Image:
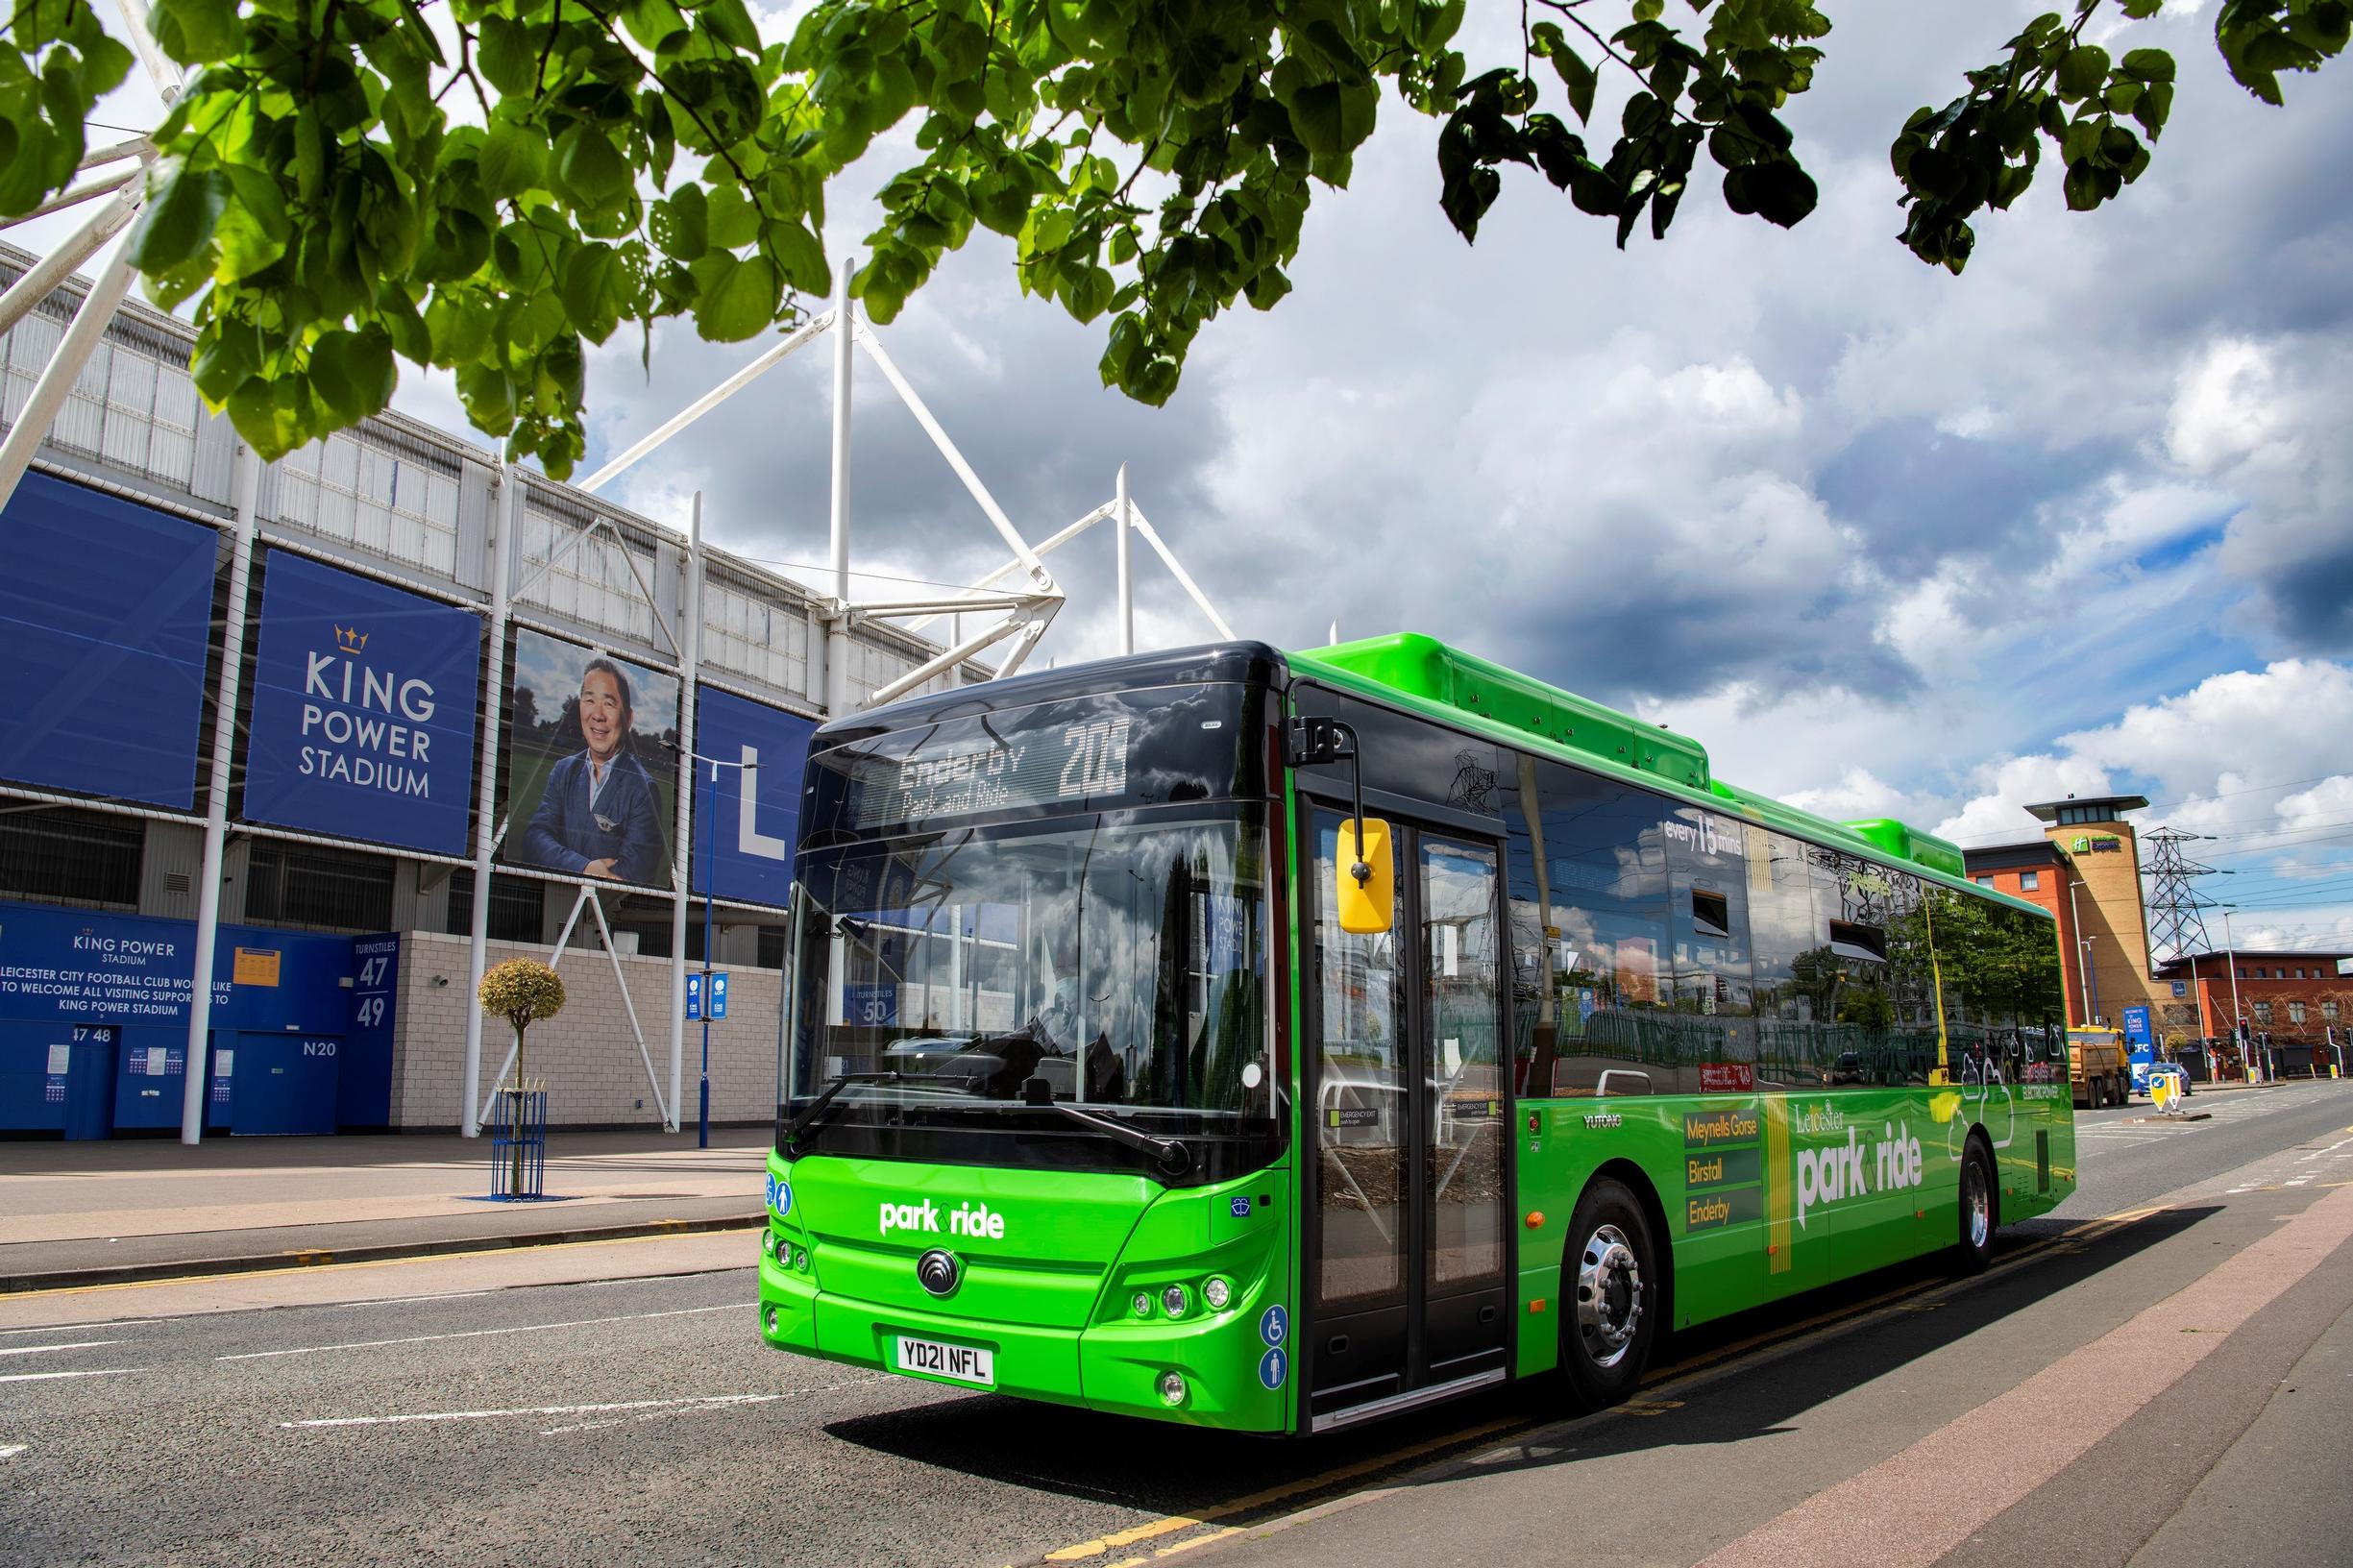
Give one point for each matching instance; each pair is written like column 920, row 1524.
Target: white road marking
column 9, row 1451
column 691, row 1406
column 479, row 1333
column 46, row 1377
column 700, row 1402
column 71, row 1327
column 36, row 1350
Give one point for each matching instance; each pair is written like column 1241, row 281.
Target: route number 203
column 1097, row 763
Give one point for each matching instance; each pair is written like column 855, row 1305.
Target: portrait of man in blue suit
column 599, row 815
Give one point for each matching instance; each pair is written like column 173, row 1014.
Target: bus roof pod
column 1908, row 843
column 1428, row 669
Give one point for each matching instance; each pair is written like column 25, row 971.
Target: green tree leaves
column 2056, row 91
column 622, row 163
column 184, row 205
column 2260, row 39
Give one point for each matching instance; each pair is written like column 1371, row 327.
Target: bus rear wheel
column 1974, row 1247
column 1610, row 1288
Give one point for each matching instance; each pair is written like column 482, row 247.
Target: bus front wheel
column 1610, row 1288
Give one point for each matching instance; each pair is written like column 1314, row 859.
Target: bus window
column 1796, row 972
column 1596, row 900
column 1711, row 994
column 2001, row 1002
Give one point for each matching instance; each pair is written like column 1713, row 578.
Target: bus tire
column 1611, row 1290
column 1979, row 1209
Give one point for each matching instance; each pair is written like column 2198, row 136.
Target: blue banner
column 106, row 619
column 364, row 710
column 755, row 830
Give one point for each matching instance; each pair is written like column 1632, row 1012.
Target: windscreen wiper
column 808, row 1120
column 1174, row 1156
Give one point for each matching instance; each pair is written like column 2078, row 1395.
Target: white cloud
column 1859, row 795
column 1996, row 814
column 2319, row 930
column 2284, row 723
column 2328, row 804
column 2226, row 408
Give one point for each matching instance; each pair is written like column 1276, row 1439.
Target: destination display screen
column 1076, row 762
column 1090, row 753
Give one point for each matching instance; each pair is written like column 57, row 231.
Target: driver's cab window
column 1119, row 968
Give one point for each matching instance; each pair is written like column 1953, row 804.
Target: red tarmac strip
column 1922, row 1503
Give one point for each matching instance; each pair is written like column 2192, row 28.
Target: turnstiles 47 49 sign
column 363, row 709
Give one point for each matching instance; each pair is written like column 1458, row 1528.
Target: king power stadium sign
column 364, row 710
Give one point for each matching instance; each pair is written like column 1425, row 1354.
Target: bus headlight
column 1218, row 1293
column 771, row 1320
column 1142, row 1304
column 1172, row 1300
column 1173, row 1387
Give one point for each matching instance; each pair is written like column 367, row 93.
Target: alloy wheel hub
column 1609, row 1295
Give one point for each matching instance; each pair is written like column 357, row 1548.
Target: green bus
column 1277, row 1042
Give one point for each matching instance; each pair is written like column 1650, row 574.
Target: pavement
column 131, row 1210
column 2052, row 1410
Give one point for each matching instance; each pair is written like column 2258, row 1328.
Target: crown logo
column 351, row 640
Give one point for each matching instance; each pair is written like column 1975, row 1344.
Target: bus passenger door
column 1464, row 1183
column 1407, row 1106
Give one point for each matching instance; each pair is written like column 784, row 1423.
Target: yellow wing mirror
column 1364, row 887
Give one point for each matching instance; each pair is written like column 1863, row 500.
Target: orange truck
column 2096, row 1065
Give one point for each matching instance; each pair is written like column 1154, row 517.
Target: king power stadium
column 394, row 713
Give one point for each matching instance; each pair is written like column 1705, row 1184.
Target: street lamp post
column 710, row 900
column 2083, row 954
column 2238, row 1018
column 2197, row 997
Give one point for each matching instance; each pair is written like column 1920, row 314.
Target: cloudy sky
column 1888, row 541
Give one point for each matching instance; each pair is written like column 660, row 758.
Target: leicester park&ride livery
column 1277, row 1042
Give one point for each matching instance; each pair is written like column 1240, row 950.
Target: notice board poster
column 593, row 743
column 106, row 627
column 754, row 803
column 363, row 722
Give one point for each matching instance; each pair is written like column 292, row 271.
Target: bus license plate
column 964, row 1363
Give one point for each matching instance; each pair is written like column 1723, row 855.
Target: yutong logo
column 966, row 1219
column 342, row 699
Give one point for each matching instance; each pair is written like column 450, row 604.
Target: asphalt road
column 641, row 1421
column 2131, row 1155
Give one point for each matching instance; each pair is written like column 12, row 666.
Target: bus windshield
column 1113, row 961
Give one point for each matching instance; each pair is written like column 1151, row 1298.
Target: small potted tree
column 524, row 991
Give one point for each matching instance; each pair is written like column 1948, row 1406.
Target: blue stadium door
column 89, row 1083
column 285, row 1085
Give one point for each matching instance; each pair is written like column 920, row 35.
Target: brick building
column 2297, row 998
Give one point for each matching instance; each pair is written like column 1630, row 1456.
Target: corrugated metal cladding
column 415, row 503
